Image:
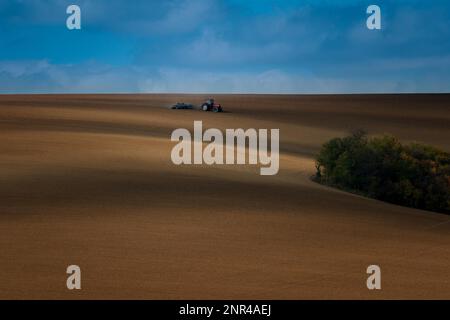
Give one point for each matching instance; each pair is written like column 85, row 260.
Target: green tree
column 414, row 175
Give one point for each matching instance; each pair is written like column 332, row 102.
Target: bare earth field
column 88, row 180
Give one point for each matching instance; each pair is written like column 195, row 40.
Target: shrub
column 414, row 175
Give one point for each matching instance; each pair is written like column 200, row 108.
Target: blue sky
column 224, row 46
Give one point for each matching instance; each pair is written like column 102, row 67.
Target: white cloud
column 43, row 77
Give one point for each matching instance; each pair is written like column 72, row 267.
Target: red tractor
column 210, row 105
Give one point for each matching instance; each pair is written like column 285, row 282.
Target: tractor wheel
column 215, row 109
column 205, row 107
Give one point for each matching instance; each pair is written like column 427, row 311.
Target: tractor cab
column 211, row 105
